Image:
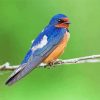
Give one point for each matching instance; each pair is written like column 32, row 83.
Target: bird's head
column 60, row 21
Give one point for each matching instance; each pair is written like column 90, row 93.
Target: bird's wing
column 37, row 53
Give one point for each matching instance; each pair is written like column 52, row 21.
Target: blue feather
column 33, row 59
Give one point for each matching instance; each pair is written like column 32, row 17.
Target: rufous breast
column 58, row 50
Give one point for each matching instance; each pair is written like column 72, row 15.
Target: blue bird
column 46, row 48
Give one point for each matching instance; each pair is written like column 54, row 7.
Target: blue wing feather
column 32, row 59
column 54, row 37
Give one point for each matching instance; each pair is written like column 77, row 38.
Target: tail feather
column 9, row 81
column 23, row 70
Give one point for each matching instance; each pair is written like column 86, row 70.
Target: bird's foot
column 50, row 65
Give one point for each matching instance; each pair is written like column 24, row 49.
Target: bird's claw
column 50, row 65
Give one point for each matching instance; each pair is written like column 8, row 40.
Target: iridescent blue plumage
column 54, row 36
column 35, row 57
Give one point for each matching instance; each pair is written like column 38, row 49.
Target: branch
column 86, row 59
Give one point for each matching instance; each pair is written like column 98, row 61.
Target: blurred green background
column 22, row 20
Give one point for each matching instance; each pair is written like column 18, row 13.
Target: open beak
column 66, row 20
column 63, row 24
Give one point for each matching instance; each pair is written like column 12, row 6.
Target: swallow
column 46, row 48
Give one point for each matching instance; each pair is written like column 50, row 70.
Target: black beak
column 67, row 22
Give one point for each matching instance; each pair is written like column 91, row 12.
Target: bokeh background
column 22, row 20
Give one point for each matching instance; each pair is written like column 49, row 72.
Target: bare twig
column 86, row 59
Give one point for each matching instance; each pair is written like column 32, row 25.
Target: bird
column 46, row 48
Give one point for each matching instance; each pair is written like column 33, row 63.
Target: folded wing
column 34, row 58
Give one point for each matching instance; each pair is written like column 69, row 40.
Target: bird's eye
column 60, row 21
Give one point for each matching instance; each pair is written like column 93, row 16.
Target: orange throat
column 62, row 25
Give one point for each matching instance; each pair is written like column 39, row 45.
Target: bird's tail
column 23, row 70
column 14, row 76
